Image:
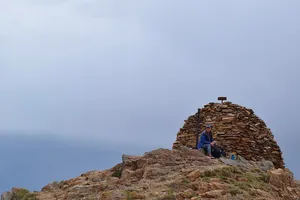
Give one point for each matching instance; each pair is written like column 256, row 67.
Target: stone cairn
column 236, row 129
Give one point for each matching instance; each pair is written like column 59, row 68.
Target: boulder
column 281, row 178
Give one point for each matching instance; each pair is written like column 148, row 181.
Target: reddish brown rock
column 173, row 174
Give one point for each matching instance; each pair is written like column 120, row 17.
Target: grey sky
column 131, row 72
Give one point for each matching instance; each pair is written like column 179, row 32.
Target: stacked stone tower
column 236, row 128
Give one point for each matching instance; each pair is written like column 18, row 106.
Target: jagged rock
column 281, row 178
column 213, row 194
column 179, row 174
column 194, row 174
column 7, row 196
column 18, row 194
column 236, row 128
column 263, row 194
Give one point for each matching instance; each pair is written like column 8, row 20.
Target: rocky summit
column 181, row 174
column 184, row 173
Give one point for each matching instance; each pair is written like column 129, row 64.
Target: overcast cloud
column 130, row 72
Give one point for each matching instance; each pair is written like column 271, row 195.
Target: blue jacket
column 205, row 139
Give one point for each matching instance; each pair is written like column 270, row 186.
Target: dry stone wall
column 236, row 128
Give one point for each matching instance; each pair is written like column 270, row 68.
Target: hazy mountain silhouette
column 32, row 162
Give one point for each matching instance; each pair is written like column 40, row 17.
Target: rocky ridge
column 236, row 128
column 185, row 173
column 177, row 174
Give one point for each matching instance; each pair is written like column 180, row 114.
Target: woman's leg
column 207, row 147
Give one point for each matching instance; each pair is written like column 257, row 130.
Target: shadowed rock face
column 236, row 128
